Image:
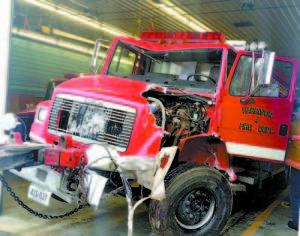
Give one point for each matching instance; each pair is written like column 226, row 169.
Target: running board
column 253, row 177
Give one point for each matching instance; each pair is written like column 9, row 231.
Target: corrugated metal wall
column 33, row 64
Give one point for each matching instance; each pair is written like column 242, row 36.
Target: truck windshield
column 194, row 70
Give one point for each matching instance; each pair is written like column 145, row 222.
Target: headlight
column 42, row 114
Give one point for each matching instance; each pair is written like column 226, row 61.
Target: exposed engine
column 181, row 115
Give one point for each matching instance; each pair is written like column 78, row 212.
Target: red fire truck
column 186, row 116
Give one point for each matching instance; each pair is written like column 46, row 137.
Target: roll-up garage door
column 33, row 64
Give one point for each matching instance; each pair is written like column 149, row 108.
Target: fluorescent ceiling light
column 180, row 15
column 60, row 43
column 79, row 18
column 50, row 40
column 75, row 37
column 42, row 5
column 72, row 36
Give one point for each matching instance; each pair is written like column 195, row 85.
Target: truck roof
column 176, row 45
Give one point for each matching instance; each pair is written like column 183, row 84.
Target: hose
column 163, row 110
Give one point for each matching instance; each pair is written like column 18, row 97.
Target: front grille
column 92, row 121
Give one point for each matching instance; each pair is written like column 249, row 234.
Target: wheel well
column 204, row 149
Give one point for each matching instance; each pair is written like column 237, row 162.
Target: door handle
column 247, row 100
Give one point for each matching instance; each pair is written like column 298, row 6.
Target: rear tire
column 198, row 202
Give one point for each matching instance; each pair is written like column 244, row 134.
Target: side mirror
column 262, row 75
column 266, row 68
column 95, row 55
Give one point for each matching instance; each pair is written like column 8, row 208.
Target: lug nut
column 187, row 203
column 198, row 193
column 191, row 216
column 187, row 211
column 192, row 196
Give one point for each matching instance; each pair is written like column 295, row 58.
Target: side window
column 279, row 84
column 240, row 80
column 122, row 62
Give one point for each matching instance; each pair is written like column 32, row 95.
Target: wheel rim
column 195, row 209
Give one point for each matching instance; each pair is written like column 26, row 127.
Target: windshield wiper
column 141, row 51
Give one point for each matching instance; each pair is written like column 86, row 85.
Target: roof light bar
column 79, row 18
column 156, row 36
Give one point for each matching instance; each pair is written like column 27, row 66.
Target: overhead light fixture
column 179, row 14
column 72, row 36
column 248, row 4
column 47, row 30
column 50, row 40
column 79, row 18
column 75, row 37
column 60, row 43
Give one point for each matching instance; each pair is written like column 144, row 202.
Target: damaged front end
column 103, row 143
column 59, row 172
column 76, row 175
column 95, row 148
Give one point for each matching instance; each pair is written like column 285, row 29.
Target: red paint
column 60, row 157
column 231, row 115
column 64, row 155
column 164, row 161
column 154, row 36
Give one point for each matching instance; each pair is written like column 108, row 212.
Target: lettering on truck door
column 256, row 114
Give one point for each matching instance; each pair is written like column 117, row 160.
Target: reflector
column 164, row 161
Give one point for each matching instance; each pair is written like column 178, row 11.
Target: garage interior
column 63, row 33
column 53, row 38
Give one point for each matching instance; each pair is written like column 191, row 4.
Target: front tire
column 198, row 202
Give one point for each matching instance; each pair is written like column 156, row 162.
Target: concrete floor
column 249, row 216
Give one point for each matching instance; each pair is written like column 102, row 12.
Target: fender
column 208, row 150
column 149, row 172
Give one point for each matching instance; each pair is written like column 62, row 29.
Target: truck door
column 255, row 113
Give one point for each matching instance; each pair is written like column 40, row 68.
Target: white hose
column 131, row 213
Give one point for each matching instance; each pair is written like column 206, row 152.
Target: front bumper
column 147, row 172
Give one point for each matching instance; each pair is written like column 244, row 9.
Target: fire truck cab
column 180, row 111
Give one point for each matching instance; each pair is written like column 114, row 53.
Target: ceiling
column 273, row 21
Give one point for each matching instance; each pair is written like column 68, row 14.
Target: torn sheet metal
column 148, row 172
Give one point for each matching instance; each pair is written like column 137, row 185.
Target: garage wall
column 33, row 64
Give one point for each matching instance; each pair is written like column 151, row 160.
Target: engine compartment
column 181, row 115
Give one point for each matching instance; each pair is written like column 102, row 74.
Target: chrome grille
column 92, row 121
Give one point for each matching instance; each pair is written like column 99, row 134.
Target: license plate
column 39, row 195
